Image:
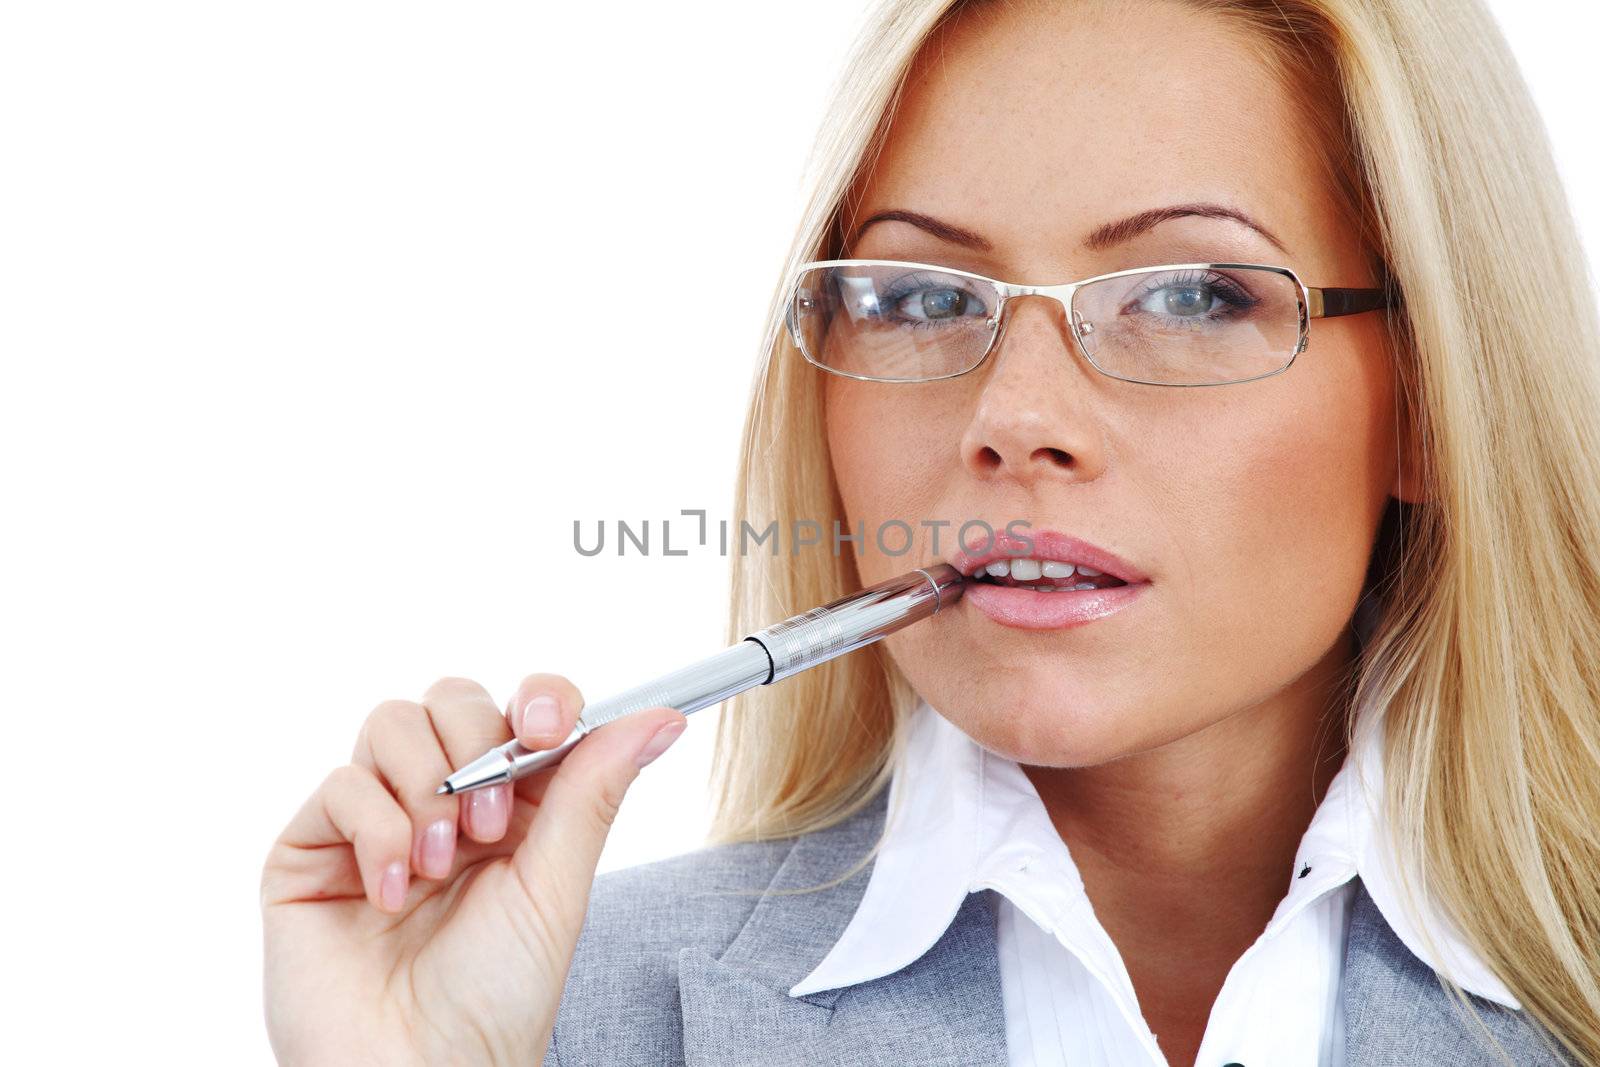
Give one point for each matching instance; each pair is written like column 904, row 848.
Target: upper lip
column 1045, row 544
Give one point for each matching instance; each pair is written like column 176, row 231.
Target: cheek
column 1272, row 509
column 886, row 453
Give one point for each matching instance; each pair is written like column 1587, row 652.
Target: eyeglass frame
column 1315, row 302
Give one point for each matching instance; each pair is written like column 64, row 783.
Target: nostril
column 1056, row 455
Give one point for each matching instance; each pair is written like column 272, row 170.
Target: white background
column 320, row 323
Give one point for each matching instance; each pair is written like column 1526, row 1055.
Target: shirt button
column 1023, row 866
column 1233, row 1064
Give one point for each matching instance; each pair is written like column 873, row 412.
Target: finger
column 542, row 713
column 543, row 710
column 466, row 718
column 353, row 807
column 468, row 724
column 564, row 840
column 399, row 745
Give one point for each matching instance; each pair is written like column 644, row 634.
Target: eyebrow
column 1103, row 237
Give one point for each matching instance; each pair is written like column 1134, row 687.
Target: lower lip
column 1028, row 609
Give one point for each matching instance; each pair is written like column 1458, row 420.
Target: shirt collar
column 961, row 819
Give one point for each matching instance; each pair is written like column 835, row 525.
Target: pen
column 766, row 656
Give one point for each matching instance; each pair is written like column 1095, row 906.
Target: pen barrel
column 699, row 685
column 766, row 656
column 846, row 624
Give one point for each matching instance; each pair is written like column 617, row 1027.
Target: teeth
column 1027, row 570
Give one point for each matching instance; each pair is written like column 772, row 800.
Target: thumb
column 563, row 844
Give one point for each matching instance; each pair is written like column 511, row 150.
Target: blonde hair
column 1485, row 655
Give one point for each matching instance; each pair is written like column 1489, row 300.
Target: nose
column 1034, row 418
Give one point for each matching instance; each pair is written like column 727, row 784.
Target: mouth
column 1048, row 580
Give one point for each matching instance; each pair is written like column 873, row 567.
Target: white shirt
column 962, row 819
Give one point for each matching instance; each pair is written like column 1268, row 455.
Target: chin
column 1044, row 722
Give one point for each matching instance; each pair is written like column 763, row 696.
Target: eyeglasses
column 1183, row 324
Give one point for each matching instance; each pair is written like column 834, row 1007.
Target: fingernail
column 660, row 741
column 392, row 890
column 541, row 715
column 489, row 811
column 438, row 848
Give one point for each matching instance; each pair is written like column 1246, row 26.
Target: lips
column 1045, row 544
column 1037, row 606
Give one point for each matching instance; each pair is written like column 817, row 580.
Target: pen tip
column 443, row 790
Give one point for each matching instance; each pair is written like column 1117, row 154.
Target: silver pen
column 766, row 656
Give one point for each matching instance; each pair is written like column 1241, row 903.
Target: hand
column 405, row 927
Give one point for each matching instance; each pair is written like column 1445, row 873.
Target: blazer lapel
column 1396, row 1011
column 943, row 1009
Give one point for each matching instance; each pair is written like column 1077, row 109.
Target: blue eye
column 1192, row 296
column 940, row 301
column 1183, row 300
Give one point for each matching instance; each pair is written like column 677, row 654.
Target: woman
column 1314, row 783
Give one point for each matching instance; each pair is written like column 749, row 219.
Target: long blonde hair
column 1485, row 656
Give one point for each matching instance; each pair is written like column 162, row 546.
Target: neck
column 1186, row 850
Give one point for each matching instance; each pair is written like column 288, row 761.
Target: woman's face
column 1251, row 509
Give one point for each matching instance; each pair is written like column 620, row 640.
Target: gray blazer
column 669, row 970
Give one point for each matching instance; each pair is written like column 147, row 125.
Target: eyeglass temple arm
column 1329, row 303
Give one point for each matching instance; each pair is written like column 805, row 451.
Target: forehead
column 1032, row 121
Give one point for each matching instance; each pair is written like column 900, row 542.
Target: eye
column 928, row 301
column 1181, row 300
column 1191, row 295
column 936, row 304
